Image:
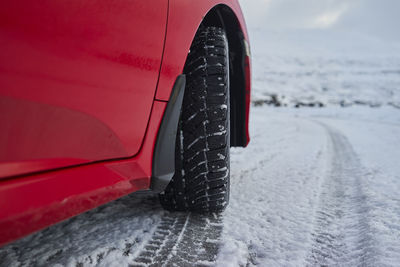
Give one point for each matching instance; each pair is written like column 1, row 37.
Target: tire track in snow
column 183, row 240
column 131, row 231
column 275, row 189
column 342, row 234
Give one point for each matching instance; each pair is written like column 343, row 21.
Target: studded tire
column 201, row 180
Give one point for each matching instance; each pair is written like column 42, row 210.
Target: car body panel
column 33, row 202
column 77, row 80
column 36, row 200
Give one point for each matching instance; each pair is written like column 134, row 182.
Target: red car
column 102, row 98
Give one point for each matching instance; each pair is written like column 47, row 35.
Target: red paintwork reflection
column 34, row 133
column 34, row 202
column 77, row 79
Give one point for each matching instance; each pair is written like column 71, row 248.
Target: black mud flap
column 164, row 151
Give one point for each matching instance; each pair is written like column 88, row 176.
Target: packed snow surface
column 316, row 186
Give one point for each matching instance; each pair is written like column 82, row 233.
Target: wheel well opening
column 223, row 16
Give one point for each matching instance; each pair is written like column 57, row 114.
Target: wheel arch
column 223, row 16
column 184, row 20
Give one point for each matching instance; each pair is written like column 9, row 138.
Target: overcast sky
column 380, row 18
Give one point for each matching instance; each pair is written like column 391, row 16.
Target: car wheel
column 201, row 179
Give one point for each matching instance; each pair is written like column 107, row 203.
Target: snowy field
column 321, row 67
column 316, row 186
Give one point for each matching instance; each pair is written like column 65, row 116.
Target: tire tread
column 201, row 180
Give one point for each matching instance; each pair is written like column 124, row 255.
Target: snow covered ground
column 316, row 186
column 328, row 67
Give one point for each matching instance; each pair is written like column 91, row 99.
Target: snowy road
column 315, row 187
column 318, row 187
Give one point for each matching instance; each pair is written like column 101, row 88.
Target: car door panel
column 77, row 80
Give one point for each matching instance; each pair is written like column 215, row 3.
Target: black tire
column 201, row 180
